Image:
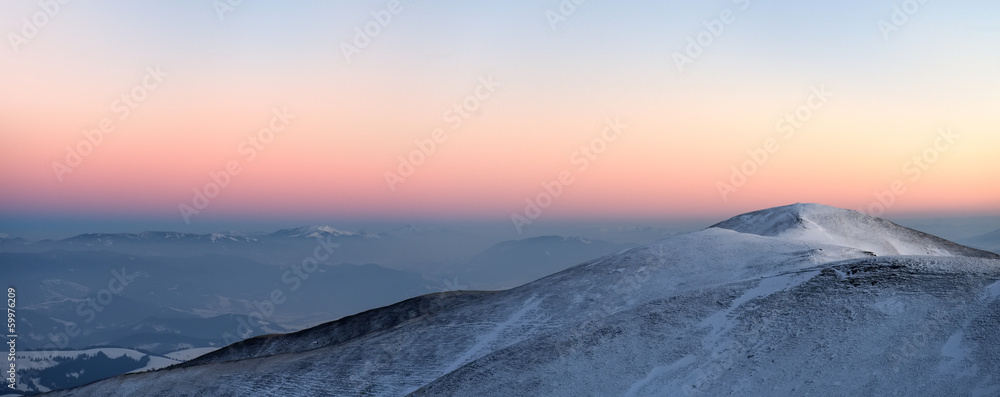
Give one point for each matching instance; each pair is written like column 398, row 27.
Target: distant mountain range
column 109, row 239
column 72, row 300
column 989, row 241
column 318, row 232
column 512, row 263
column 397, row 248
column 123, row 292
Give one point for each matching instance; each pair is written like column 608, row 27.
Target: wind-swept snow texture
column 818, row 223
column 796, row 300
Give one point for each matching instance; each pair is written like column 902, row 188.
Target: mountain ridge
column 810, row 223
column 600, row 326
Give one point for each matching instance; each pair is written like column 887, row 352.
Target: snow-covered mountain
column 109, row 239
column 802, row 299
column 318, row 232
column 168, row 244
column 822, row 224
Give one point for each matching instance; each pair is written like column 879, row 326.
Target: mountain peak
column 406, row 230
column 817, row 223
column 778, row 221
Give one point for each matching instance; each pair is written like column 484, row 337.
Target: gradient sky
column 353, row 120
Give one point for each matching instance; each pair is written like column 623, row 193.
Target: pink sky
column 353, row 120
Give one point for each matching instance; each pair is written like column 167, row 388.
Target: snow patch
column 993, row 290
column 957, row 355
column 658, row 372
column 891, row 307
column 720, row 322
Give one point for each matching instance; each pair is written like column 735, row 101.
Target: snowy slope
column 787, row 300
column 312, row 232
column 880, row 326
